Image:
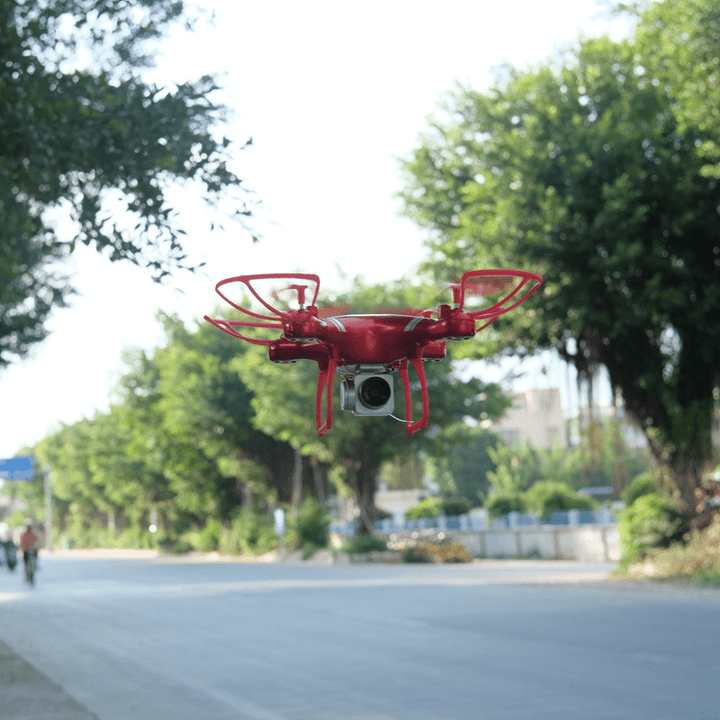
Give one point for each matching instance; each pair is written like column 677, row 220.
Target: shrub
column 454, row 552
column 641, row 485
column 650, row 522
column 207, row 539
column 314, row 523
column 548, row 495
column 698, row 560
column 364, row 543
column 430, row 507
column 503, row 502
column 249, row 533
column 452, row 507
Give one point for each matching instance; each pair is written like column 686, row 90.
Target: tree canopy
column 206, row 432
column 87, row 144
column 682, row 40
column 581, row 170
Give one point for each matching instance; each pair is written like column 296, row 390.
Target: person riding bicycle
column 28, row 543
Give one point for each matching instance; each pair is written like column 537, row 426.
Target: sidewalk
column 26, row 694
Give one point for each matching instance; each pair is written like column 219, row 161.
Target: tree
column 192, row 413
column 464, row 473
column 581, row 171
column 178, row 442
column 85, row 142
column 681, row 40
column 516, row 468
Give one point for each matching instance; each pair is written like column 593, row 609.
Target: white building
column 536, row 417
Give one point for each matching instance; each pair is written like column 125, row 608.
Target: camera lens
column 375, row 392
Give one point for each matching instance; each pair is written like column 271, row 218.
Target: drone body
column 367, row 349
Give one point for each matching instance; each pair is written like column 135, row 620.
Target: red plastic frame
column 391, row 340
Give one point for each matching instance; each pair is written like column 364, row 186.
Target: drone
column 367, row 349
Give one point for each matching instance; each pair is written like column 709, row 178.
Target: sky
column 332, row 94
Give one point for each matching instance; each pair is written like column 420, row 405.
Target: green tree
column 680, row 41
column 178, row 443
column 192, row 415
column 463, row 473
column 581, row 171
column 516, row 468
column 85, row 139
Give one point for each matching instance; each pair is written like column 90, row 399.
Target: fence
column 589, row 536
column 478, row 521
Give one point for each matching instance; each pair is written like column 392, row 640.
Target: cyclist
column 28, row 543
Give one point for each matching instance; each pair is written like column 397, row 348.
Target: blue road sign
column 17, row 468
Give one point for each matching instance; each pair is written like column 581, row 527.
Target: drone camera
column 368, row 395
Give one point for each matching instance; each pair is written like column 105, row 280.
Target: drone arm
column 413, row 427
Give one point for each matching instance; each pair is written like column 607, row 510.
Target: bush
column 549, row 495
column 641, row 485
column 437, row 553
column 430, row 507
column 698, row 560
column 503, row 502
column 650, row 522
column 313, row 525
column 207, row 539
column 249, row 533
column 364, row 544
column 453, row 507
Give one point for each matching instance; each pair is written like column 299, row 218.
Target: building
column 536, row 417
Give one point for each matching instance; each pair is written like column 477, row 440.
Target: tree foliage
column 205, row 433
column 581, row 170
column 87, row 144
column 682, row 41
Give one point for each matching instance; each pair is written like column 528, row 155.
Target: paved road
column 154, row 639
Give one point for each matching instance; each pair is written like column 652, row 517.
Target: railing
column 572, row 518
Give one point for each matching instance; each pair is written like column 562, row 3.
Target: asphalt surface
column 115, row 639
column 27, row 694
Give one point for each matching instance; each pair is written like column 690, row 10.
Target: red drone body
column 367, row 349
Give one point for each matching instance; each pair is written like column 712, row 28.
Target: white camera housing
column 368, row 394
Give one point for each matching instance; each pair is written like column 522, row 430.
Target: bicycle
column 30, row 567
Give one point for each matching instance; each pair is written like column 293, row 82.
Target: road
column 150, row 639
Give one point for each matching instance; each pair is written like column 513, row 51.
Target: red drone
column 367, row 349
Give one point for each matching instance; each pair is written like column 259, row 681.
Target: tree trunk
column 318, row 474
column 297, row 485
column 686, row 479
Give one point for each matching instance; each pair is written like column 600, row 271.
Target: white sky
column 331, row 93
